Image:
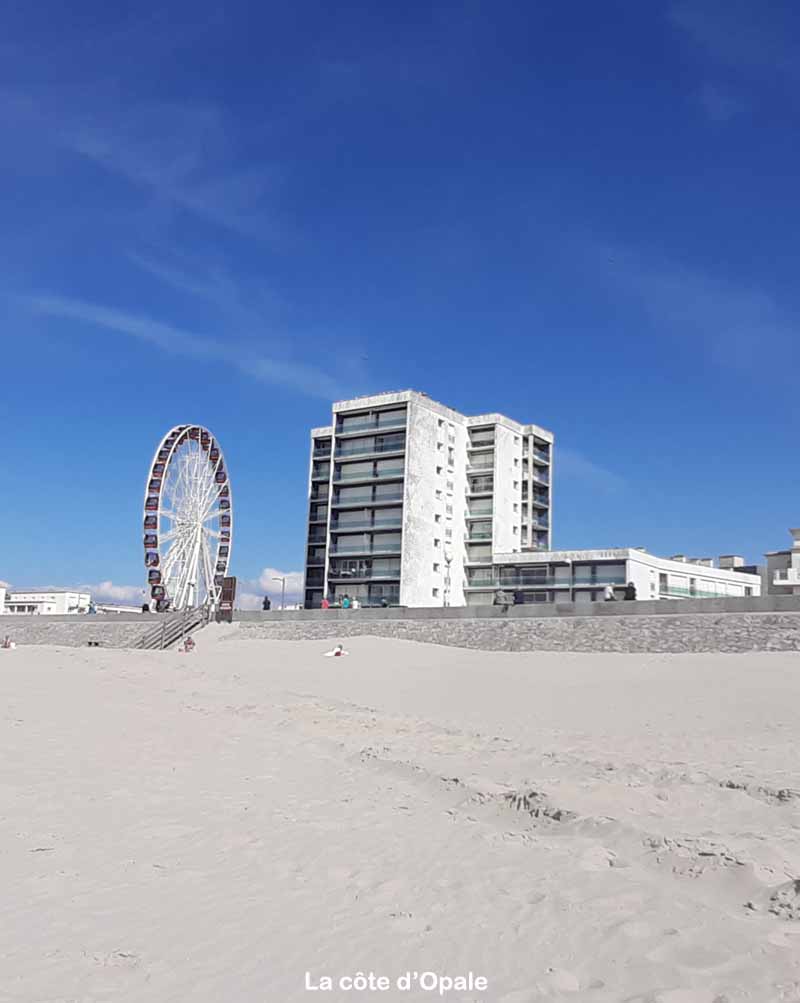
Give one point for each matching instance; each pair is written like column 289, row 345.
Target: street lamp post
column 283, row 588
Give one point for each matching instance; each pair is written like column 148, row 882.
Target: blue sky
column 583, row 215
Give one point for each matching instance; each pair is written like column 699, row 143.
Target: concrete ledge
column 655, row 607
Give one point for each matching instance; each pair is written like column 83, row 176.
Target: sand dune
column 569, row 827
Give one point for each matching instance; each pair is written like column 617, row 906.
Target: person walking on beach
column 630, row 591
column 608, row 595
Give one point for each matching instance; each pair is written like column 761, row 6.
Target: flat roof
column 403, row 396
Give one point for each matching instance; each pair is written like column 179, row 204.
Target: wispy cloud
column 574, row 466
column 183, row 156
column 745, row 34
column 252, row 590
column 298, row 376
column 107, row 591
column 719, row 104
column 739, row 328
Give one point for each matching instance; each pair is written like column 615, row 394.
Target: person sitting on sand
column 336, row 652
column 188, row 644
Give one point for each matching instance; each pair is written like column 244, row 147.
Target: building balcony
column 481, row 536
column 362, row 427
column 321, row 453
column 366, row 527
column 372, row 451
column 392, row 474
column 540, row 477
column 363, row 575
column 366, row 549
column 476, row 512
column 367, row 501
column 541, row 457
column 480, row 492
column 541, row 501
column 787, row 576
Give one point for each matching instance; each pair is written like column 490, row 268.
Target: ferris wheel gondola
column 187, row 520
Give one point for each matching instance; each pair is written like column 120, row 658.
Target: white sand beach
column 211, row 827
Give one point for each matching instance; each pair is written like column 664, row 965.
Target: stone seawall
column 76, row 631
column 723, row 632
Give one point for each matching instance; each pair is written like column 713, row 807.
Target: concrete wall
column 728, row 625
column 120, row 630
column 506, row 522
column 420, row 507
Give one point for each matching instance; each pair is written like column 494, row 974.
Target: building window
column 516, row 507
column 441, row 423
column 435, row 593
column 437, row 517
column 440, row 445
column 448, row 509
column 748, row 591
column 516, row 485
column 663, row 588
column 437, row 542
column 516, row 462
column 448, row 534
column 449, row 485
column 515, row 530
column 436, row 567
column 439, row 493
column 692, row 586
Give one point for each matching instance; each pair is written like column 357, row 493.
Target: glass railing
column 364, row 574
column 678, row 592
column 480, row 442
column 540, row 499
column 366, row 549
column 376, row 447
column 599, row 579
column 367, row 499
column 539, row 455
column 540, row 478
column 371, row 426
column 369, row 475
column 479, row 536
column 476, row 511
column 359, row 527
column 480, row 487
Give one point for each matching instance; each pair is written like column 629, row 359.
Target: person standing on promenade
column 608, row 595
column 630, row 591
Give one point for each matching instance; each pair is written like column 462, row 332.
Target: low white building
column 583, row 575
column 783, row 568
column 46, row 601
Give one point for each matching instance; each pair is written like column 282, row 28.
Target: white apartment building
column 409, row 499
column 46, row 601
column 583, row 575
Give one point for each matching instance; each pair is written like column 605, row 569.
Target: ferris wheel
column 188, row 520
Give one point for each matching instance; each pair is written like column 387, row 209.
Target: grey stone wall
column 697, row 632
column 75, row 631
